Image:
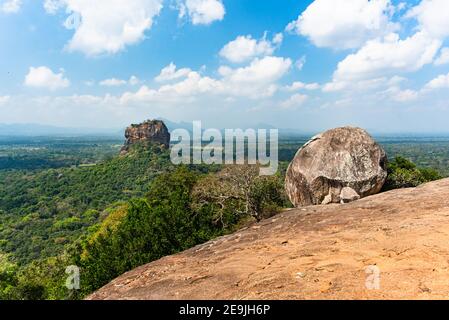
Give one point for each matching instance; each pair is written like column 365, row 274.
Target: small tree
column 237, row 191
column 402, row 173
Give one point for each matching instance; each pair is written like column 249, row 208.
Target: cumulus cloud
column 44, row 77
column 433, row 17
column 389, row 54
column 183, row 91
column 10, row 6
column 171, row 72
column 443, row 58
column 114, row 82
column 134, row 81
column 263, row 70
column 385, row 56
column 299, row 64
column 245, row 48
column 358, row 85
column 298, row 85
column 106, row 26
column 403, row 95
column 52, row 6
column 257, row 80
column 202, row 11
column 69, row 111
column 439, row 82
column 278, row 38
column 294, row 101
column 344, row 24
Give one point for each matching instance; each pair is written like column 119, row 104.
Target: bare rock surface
column 148, row 132
column 316, row 252
column 339, row 165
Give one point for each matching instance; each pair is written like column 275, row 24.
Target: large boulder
column 338, row 166
column 149, row 132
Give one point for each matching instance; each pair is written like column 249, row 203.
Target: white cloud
column 403, row 95
column 265, row 70
column 299, row 64
column 358, row 85
column 202, row 11
column 69, row 111
column 433, row 17
column 106, row 26
column 245, row 48
column 298, row 85
column 335, row 86
column 278, row 38
column 389, row 54
column 113, row 82
column 443, row 57
column 440, row 82
column 43, row 77
column 385, row 56
column 4, row 100
column 344, row 24
column 183, row 91
column 401, row 6
column 379, row 89
column 170, row 73
column 294, row 101
column 52, row 6
column 396, row 80
column 10, row 6
column 255, row 81
column 134, row 81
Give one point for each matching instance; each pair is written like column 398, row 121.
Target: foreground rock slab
column 317, row 252
column 338, row 166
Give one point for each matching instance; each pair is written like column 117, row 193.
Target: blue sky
column 309, row 65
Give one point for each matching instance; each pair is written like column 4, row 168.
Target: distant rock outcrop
column 148, row 132
column 338, row 166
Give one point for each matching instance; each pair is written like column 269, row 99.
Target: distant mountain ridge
column 31, row 129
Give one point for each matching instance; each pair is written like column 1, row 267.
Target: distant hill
column 33, row 129
column 284, row 133
column 46, row 130
column 172, row 125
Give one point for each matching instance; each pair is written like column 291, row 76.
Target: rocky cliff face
column 148, row 132
column 316, row 252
